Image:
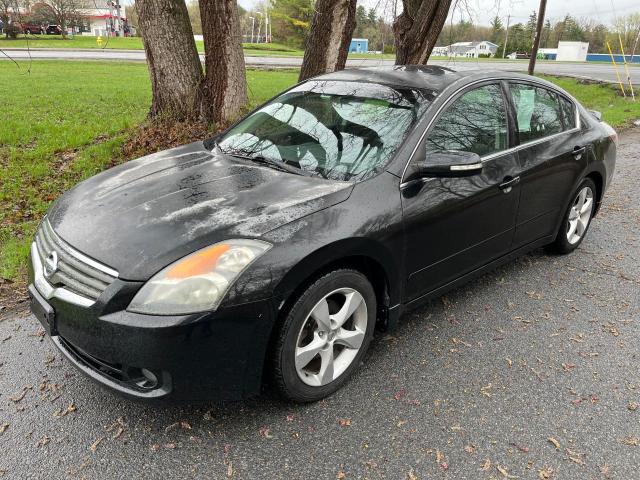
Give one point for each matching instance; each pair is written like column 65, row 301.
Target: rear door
column 552, row 153
column 455, row 225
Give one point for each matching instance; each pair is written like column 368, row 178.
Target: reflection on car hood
column 140, row 216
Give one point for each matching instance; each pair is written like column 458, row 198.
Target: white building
column 467, row 49
column 572, row 51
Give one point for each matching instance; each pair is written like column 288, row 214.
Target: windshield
column 337, row 130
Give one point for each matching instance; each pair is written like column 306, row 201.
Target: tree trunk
column 172, row 58
column 328, row 43
column 417, row 28
column 225, row 84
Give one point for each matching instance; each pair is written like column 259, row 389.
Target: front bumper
column 210, row 356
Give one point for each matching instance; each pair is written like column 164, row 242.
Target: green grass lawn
column 66, row 121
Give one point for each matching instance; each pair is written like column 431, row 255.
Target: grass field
column 66, row 121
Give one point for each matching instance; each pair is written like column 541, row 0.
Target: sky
column 482, row 11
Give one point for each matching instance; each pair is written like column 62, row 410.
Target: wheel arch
column 598, row 179
column 367, row 256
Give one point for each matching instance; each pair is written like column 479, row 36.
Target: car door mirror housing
column 447, row 163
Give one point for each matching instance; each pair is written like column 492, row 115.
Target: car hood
column 141, row 216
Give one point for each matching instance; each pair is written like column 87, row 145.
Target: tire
column 577, row 219
column 307, row 344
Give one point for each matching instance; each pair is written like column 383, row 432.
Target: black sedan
column 268, row 254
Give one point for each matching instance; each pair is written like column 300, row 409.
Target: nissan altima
column 267, row 255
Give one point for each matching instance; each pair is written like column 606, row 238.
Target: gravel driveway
column 529, row 372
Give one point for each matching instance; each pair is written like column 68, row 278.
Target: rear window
column 538, row 112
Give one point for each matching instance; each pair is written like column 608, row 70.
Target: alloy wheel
column 331, row 337
column 580, row 215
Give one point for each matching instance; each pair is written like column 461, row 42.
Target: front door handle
column 578, row 151
column 509, row 183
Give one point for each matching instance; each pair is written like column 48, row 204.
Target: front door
column 455, row 225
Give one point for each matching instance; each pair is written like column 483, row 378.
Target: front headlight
column 197, row 282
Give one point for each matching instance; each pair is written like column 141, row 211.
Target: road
column 529, row 372
column 593, row 71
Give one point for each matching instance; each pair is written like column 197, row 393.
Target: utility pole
column 536, row 41
column 506, row 37
column 259, row 26
column 253, row 21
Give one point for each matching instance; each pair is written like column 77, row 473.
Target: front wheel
column 325, row 336
column 577, row 219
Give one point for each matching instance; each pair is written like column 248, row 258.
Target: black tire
column 286, row 380
column 561, row 245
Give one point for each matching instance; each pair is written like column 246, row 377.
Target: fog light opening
column 143, row 378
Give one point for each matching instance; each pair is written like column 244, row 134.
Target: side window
column 568, row 112
column 476, row 122
column 537, row 112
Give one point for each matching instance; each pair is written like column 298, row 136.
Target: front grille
column 75, row 272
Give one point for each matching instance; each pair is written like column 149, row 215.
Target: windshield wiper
column 278, row 164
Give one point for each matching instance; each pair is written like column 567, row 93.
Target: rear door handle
column 578, row 151
column 509, row 183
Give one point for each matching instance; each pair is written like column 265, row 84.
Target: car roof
column 429, row 77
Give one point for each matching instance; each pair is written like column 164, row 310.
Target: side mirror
column 449, row 163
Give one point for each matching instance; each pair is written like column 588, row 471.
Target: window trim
column 455, row 96
column 513, row 149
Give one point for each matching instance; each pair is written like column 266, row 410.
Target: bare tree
column 225, row 84
column 417, row 28
column 172, row 58
column 328, row 43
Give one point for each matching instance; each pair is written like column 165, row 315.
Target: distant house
column 359, row 45
column 103, row 22
column 467, row 49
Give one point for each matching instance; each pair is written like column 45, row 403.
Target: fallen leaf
column 43, row 441
column 555, row 442
column 632, row 441
column 504, row 472
column 3, row 427
column 63, row 413
column 345, row 422
column 486, row 465
column 545, row 473
column 19, row 396
column 94, row 445
column 264, row 431
column 523, row 449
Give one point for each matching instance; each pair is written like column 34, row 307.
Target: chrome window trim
column 80, row 256
column 48, row 291
column 489, row 157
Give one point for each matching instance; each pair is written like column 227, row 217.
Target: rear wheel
column 325, row 336
column 577, row 219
